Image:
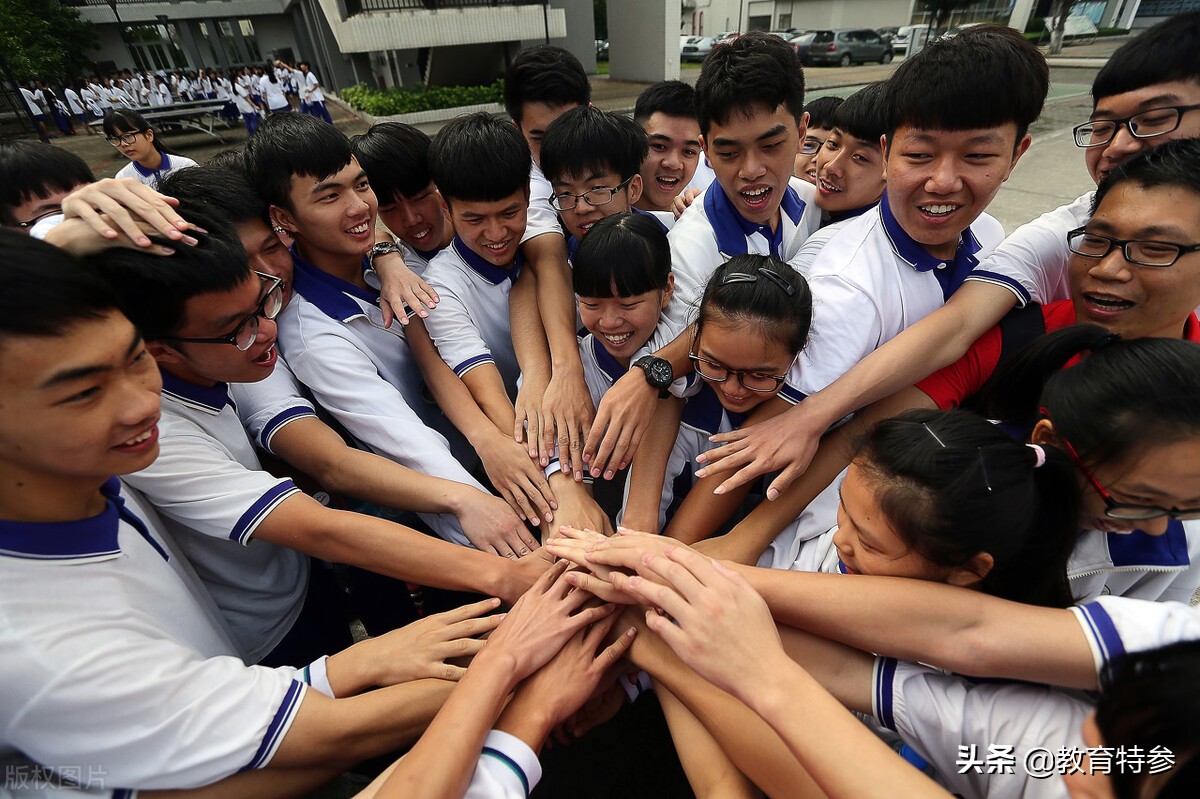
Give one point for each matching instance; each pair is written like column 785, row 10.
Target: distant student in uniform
column 1153, row 75
column 667, row 112
column 481, row 167
column 150, row 160
column 333, row 333
column 750, row 104
column 591, row 158
column 820, row 124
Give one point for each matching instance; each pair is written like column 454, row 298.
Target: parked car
column 601, row 49
column 846, row 46
column 903, row 36
column 801, row 44
column 888, row 33
column 695, row 48
column 726, row 36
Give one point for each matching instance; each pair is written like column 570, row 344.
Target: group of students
column 324, row 378
column 250, row 92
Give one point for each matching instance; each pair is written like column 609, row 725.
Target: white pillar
column 643, row 37
column 1021, row 12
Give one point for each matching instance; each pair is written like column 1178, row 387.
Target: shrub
column 385, row 102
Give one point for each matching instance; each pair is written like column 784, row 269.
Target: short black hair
column 223, row 191
column 230, row 158
column 755, row 69
column 34, row 169
column 1176, row 163
column 545, row 74
column 630, row 256
column 293, row 144
column 479, row 158
column 1161, row 54
column 154, row 290
column 46, row 289
column 671, row 97
column 396, row 159
column 587, row 141
column 985, row 77
column 862, row 115
column 821, row 111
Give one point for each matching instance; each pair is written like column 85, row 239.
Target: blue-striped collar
column 1138, row 548
column 75, row 542
column 206, row 398
column 841, row 216
column 335, row 297
column 657, row 221
column 704, row 411
column 485, row 269
column 165, row 166
column 607, row 363
column 951, row 273
column 732, row 229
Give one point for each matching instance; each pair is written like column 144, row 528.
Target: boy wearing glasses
column 1145, row 96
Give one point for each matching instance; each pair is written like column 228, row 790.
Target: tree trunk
column 1060, row 25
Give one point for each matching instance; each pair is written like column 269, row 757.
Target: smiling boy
column 667, row 112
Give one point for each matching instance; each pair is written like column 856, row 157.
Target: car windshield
column 820, row 37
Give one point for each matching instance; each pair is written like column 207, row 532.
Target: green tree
column 600, row 12
column 42, row 39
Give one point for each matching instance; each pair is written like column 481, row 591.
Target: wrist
column 352, row 671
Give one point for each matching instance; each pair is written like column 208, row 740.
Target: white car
column 695, row 48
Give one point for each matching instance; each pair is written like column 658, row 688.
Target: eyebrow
column 80, row 372
column 724, row 141
column 1152, row 101
column 1100, row 225
column 666, row 138
column 326, row 185
column 719, row 362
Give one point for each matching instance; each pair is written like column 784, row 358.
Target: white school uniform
column 312, row 87
column 1158, row 568
column 34, row 100
column 711, row 231
column 870, row 282
column 507, row 769
column 1032, row 262
column 115, row 657
column 241, row 99
column 471, row 325
column 273, row 93
column 936, row 713
column 161, row 95
column 91, row 100
column 541, row 217
column 817, row 241
column 266, row 407
column 153, row 177
column 364, row 374
column 1115, row 626
column 73, row 101
column 703, row 177
column 210, row 488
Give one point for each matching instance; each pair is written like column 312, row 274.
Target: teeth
column 143, row 437
column 668, row 181
column 938, row 210
column 756, row 192
column 825, row 184
column 421, row 235
column 266, row 354
column 496, row 247
column 1109, row 302
column 617, row 339
column 359, row 228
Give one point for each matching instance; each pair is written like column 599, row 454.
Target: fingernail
column 578, row 477
column 165, row 251
column 719, row 490
column 702, row 457
column 191, row 242
column 623, row 465
column 595, row 472
column 609, row 474
column 554, row 505
column 772, row 494
column 549, row 518
column 701, row 473
column 143, row 241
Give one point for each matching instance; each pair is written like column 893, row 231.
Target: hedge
column 385, row 102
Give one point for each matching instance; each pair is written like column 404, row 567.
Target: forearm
column 547, row 256
column 452, row 395
column 528, row 332
column 443, row 760
column 488, row 392
column 647, row 472
column 934, row 342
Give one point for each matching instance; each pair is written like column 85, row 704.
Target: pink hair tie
column 1041, row 455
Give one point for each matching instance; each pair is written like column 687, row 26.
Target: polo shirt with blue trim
column 1158, row 568
column 871, row 281
column 115, row 657
column 366, row 377
column 471, row 325
column 711, row 231
column 269, row 405
column 153, row 177
column 212, row 492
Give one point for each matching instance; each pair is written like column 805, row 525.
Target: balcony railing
column 358, row 6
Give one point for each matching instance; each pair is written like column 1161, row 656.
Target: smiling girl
column 150, row 161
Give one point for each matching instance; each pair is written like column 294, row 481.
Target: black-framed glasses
column 28, row 223
column 1143, row 252
column 244, row 335
column 593, row 197
column 811, row 145
column 124, row 138
column 1125, row 511
column 1145, row 125
column 715, row 372
column 753, row 277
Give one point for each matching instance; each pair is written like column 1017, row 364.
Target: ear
column 670, row 290
column 162, row 353
column 635, row 189
column 1022, row 146
column 973, row 571
column 883, row 150
column 802, row 129
column 281, row 217
column 1044, row 434
column 704, row 144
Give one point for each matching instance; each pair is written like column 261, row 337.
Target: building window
column 785, row 21
column 251, row 40
column 154, row 47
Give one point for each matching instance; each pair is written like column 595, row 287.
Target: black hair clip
column 747, row 277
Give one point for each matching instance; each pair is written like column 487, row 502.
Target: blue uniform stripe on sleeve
column 1001, row 280
column 471, row 363
column 1103, row 632
column 791, row 394
column 278, row 726
column 885, row 674
column 512, row 764
column 123, row 793
column 260, row 509
column 279, row 420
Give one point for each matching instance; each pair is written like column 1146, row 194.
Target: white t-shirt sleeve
column 1116, row 625
column 267, row 406
column 953, row 722
column 847, row 325
column 507, row 769
column 694, row 259
column 200, row 486
column 453, row 330
column 1032, row 262
column 153, row 715
column 541, row 218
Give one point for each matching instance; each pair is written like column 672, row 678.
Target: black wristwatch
column 383, row 248
column 658, row 373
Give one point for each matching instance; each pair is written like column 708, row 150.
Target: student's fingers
column 746, row 474
column 456, row 648
column 469, row 613
column 600, row 588
column 536, row 491
column 547, row 578
column 578, row 436
column 611, row 654
column 385, row 309
column 517, row 500
column 520, row 419
column 679, row 576
column 449, row 672
column 781, row 483
column 651, row 593
column 529, row 541
column 595, row 436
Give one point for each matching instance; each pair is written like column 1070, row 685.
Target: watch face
column 660, row 371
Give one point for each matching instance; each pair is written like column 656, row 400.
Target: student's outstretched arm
column 789, row 441
column 720, row 627
column 647, row 473
column 533, row 356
